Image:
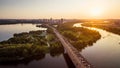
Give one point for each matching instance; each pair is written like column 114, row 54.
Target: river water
column 105, row 53
column 48, row 60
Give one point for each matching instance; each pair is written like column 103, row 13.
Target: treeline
column 79, row 37
column 114, row 28
column 33, row 37
column 25, row 46
column 16, row 21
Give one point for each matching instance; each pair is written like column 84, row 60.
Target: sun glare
column 96, row 12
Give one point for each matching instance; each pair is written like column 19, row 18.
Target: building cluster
column 52, row 20
column 15, row 21
column 58, row 20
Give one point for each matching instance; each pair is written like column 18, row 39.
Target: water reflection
column 82, row 46
column 7, row 31
column 68, row 61
column 51, row 57
column 25, row 61
column 52, row 51
column 105, row 53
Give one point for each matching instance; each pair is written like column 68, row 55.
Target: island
column 27, row 46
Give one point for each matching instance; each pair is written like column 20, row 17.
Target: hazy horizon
column 69, row 9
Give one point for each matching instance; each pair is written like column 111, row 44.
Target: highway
column 78, row 60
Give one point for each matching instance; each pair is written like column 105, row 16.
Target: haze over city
column 71, row 9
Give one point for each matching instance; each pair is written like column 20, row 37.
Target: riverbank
column 78, row 60
column 30, row 45
column 79, row 37
column 111, row 27
column 104, row 51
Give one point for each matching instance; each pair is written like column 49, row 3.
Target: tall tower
column 62, row 20
column 51, row 20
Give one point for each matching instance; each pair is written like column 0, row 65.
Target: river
column 105, row 53
column 48, row 60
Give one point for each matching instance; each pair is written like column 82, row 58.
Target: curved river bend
column 105, row 53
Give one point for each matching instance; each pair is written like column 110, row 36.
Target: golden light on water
column 77, row 25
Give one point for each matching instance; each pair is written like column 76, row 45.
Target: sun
column 96, row 12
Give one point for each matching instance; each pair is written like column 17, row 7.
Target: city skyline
column 77, row 9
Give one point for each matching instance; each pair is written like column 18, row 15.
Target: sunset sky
column 79, row 9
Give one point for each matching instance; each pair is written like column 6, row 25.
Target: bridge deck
column 78, row 60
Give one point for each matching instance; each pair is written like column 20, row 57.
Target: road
column 78, row 60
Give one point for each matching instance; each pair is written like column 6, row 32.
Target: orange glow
column 96, row 12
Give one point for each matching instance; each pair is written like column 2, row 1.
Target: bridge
column 78, row 60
